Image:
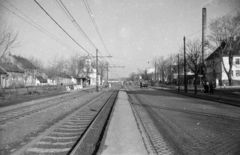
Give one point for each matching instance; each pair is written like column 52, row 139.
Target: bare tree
column 36, row 62
column 8, row 40
column 170, row 61
column 193, row 58
column 132, row 76
column 161, row 68
column 76, row 64
column 57, row 66
column 102, row 67
column 225, row 33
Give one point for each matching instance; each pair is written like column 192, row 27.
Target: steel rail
column 80, row 140
column 23, row 149
column 42, row 106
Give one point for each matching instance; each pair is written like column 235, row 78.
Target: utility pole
column 107, row 73
column 96, row 70
column 97, row 81
column 204, row 27
column 162, row 76
column 185, row 71
column 155, row 72
column 178, row 75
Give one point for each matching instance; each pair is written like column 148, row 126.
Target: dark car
column 143, row 84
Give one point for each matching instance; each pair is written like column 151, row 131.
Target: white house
column 215, row 67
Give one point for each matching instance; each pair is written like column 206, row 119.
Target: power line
column 37, row 26
column 94, row 23
column 61, row 27
column 42, row 30
column 217, row 20
column 71, row 18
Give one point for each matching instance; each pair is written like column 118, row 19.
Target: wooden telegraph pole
column 107, row 73
column 97, row 80
column 97, row 70
column 185, row 70
column 155, row 72
column 178, row 75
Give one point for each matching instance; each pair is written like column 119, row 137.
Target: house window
column 237, row 61
column 237, row 73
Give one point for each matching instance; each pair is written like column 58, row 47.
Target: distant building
column 175, row 73
column 215, row 70
column 3, row 76
column 30, row 71
column 88, row 74
column 151, row 70
column 11, row 75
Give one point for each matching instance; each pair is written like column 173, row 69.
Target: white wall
column 234, row 68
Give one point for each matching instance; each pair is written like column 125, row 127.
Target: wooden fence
column 6, row 93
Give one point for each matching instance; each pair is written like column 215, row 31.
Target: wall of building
column 235, row 67
column 220, row 72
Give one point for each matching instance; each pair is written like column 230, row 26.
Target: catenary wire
column 61, row 27
column 65, row 10
column 71, row 18
column 42, row 30
column 95, row 25
column 217, row 20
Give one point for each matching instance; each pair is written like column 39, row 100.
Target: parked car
column 143, row 84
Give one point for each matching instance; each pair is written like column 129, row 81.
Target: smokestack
column 204, row 20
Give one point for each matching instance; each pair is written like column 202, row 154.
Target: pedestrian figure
column 211, row 88
column 206, row 87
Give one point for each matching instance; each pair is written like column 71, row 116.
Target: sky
column 133, row 32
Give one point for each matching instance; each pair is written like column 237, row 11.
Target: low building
column 215, row 67
column 14, row 76
column 64, row 79
column 30, row 70
column 3, row 76
column 40, row 80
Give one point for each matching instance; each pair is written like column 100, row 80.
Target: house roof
column 41, row 79
column 2, row 71
column 25, row 63
column 216, row 53
column 9, row 67
column 64, row 75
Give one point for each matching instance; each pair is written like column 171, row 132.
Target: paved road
column 183, row 125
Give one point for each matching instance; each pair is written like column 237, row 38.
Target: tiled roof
column 9, row 67
column 216, row 53
column 64, row 75
column 25, row 63
column 41, row 79
column 2, row 71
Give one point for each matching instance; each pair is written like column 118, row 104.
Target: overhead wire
column 61, row 27
column 37, row 26
column 217, row 20
column 71, row 18
column 95, row 25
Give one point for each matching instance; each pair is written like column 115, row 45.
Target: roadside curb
column 204, row 97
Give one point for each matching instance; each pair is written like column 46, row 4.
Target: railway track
column 66, row 136
column 9, row 115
